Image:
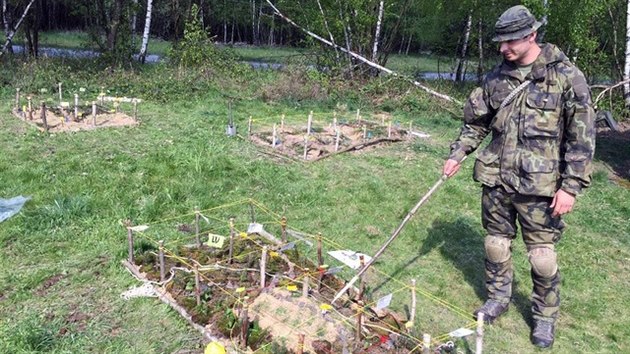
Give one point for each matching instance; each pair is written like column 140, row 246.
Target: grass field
column 61, row 276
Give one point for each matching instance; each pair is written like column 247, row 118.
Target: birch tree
column 377, row 33
column 145, row 35
column 461, row 59
column 13, row 29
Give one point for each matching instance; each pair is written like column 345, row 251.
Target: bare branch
column 365, row 60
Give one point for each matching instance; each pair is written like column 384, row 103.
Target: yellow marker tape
column 274, row 254
column 409, row 324
column 240, row 290
column 325, row 307
column 292, row 287
column 243, row 234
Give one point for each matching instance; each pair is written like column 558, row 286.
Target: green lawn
column 61, row 275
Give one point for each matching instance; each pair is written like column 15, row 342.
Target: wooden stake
column 410, row 129
column 309, row 124
column 17, row 98
column 30, row 108
column 362, row 278
column 358, row 116
column 244, row 325
column 300, row 347
column 382, row 120
column 94, row 113
column 305, row 283
column 197, row 285
column 231, row 250
column 479, row 339
column 130, row 242
column 161, row 256
column 274, row 136
column 76, row 106
column 305, row 146
column 43, row 115
column 197, row 236
column 412, row 315
column 320, row 258
column 337, row 139
column 135, row 109
column 358, row 331
column 364, row 132
column 320, row 262
column 282, row 122
column 283, row 226
column 389, row 130
column 334, row 121
column 263, row 267
column 249, row 127
column 426, row 343
column 60, row 94
column 102, row 95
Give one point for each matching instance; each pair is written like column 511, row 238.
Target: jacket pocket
column 475, row 107
column 542, row 116
column 538, row 175
column 487, row 168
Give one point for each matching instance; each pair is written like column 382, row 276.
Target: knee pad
column 543, row 261
column 498, row 249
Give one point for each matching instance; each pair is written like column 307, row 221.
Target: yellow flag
column 216, row 241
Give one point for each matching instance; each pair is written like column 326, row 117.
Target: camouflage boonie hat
column 515, row 23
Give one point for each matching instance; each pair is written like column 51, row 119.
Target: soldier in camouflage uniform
column 537, row 107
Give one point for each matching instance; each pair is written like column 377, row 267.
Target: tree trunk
column 480, row 65
column 5, row 21
column 13, row 30
column 461, row 60
column 258, row 36
column 541, row 34
column 134, row 22
column 346, row 34
column 330, row 35
column 253, row 22
column 626, row 72
column 408, row 44
column 114, row 26
column 145, row 34
column 377, row 33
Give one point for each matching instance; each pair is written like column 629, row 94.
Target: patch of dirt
column 75, row 323
column 48, row 283
column 289, row 312
column 59, row 120
column 323, row 140
column 278, row 313
column 613, row 148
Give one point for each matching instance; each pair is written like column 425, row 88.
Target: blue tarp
column 10, row 207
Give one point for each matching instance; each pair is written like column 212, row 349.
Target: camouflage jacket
column 543, row 140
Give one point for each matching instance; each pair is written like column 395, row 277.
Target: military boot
column 543, row 333
column 491, row 310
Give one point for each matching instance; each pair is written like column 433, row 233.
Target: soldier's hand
column 451, row 167
column 562, row 203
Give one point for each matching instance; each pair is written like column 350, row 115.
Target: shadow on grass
column 461, row 244
column 614, row 149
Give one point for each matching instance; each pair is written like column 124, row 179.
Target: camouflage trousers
column 500, row 211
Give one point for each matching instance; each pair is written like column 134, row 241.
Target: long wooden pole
column 391, row 238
